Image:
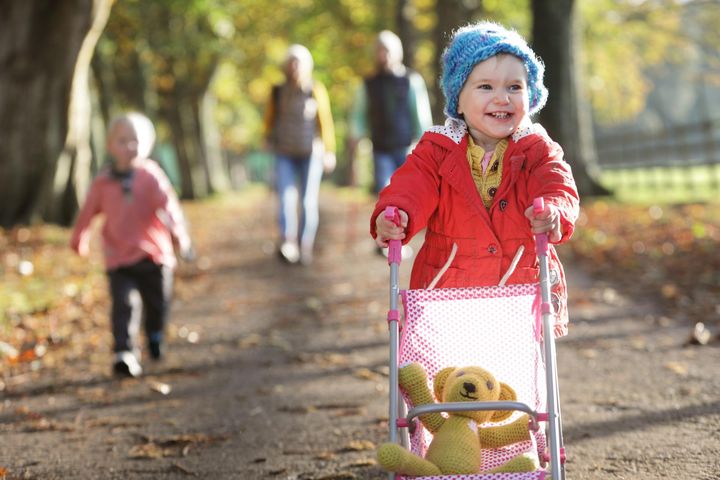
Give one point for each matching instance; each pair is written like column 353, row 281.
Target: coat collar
column 456, row 170
column 455, row 130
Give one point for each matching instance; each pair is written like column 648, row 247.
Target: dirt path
column 278, row 372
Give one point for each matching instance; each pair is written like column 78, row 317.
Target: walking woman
column 299, row 129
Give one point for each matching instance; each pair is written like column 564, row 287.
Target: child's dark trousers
column 143, row 289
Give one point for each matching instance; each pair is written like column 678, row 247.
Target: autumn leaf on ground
column 302, row 409
column 663, row 252
column 28, row 414
column 324, row 456
column 366, row 374
column 700, row 335
column 365, row 462
column 351, row 412
column 337, row 476
column 8, row 351
column 159, row 387
column 357, row 446
column 677, row 367
column 186, row 438
column 329, row 359
column 150, row 450
column 171, row 446
column 46, row 425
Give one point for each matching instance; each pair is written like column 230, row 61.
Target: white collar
column 456, row 129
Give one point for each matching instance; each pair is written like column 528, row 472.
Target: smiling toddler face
column 494, row 99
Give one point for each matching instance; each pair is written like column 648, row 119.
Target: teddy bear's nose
column 469, row 387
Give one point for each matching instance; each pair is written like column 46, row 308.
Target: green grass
column 54, row 267
column 24, row 295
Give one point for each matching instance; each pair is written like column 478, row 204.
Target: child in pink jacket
column 143, row 221
column 471, row 183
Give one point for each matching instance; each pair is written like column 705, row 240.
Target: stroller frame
column 401, row 422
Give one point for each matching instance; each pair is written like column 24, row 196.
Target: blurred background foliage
column 203, row 71
column 155, row 54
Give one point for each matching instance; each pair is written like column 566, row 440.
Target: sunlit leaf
column 160, row 387
column 677, row 367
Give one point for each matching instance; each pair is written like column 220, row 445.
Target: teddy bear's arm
column 494, row 437
column 413, row 381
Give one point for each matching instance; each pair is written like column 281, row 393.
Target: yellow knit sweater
column 488, row 181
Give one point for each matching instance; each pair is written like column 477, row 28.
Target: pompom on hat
column 476, row 43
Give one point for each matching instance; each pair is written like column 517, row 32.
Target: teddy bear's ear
column 507, row 394
column 439, row 381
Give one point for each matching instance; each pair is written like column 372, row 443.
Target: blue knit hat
column 475, row 43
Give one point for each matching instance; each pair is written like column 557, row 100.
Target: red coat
column 436, row 189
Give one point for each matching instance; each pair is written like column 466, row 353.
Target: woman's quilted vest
column 295, row 125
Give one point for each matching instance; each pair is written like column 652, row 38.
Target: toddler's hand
column 188, row 254
column 81, row 248
column 186, row 249
column 546, row 221
column 387, row 230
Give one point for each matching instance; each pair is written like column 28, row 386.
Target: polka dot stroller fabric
column 497, row 328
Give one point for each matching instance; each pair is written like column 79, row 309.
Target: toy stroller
column 504, row 329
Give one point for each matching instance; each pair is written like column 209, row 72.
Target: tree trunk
column 406, row 30
column 567, row 115
column 217, row 172
column 41, row 44
column 72, row 174
column 207, row 136
column 198, row 142
column 171, row 113
column 451, row 14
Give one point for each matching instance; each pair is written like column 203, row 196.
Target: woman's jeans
column 385, row 163
column 298, row 178
column 141, row 288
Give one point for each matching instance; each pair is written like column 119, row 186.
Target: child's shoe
column 126, row 365
column 155, row 345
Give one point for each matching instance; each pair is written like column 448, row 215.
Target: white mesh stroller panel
column 491, row 327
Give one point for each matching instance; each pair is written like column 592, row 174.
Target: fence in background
column 686, row 156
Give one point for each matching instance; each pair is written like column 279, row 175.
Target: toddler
column 471, row 183
column 142, row 220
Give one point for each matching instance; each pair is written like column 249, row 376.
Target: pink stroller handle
column 541, row 239
column 397, row 408
column 538, row 205
column 395, row 246
column 556, row 452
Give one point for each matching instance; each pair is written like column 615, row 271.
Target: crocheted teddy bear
column 457, row 438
